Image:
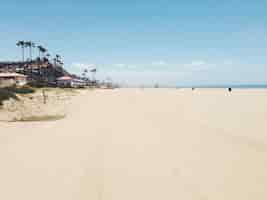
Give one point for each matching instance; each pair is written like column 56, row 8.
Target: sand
column 129, row 144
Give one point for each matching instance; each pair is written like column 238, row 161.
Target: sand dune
column 129, row 144
column 53, row 102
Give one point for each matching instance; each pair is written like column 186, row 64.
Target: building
column 36, row 70
column 67, row 81
column 10, row 79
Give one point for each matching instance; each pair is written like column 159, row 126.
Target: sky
column 144, row 42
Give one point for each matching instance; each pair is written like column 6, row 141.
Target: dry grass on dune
column 27, row 104
column 39, row 118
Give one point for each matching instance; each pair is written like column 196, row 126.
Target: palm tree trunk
column 30, row 53
column 22, row 48
column 39, row 62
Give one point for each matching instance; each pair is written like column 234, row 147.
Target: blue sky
column 146, row 42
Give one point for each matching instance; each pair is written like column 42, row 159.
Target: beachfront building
column 10, row 79
column 37, row 70
column 68, row 81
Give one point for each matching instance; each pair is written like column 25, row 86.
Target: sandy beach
column 129, row 144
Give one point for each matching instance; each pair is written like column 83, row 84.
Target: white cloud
column 159, row 63
column 192, row 72
column 197, row 63
column 83, row 65
column 120, row 65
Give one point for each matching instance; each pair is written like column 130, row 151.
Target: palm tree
column 84, row 74
column 47, row 56
column 31, row 45
column 46, row 69
column 39, row 49
column 55, row 62
column 58, row 58
column 27, row 44
column 93, row 71
column 21, row 44
column 42, row 51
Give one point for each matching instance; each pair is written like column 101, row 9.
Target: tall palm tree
column 93, row 71
column 46, row 69
column 39, row 47
column 30, row 45
column 42, row 51
column 27, row 45
column 58, row 57
column 57, row 60
column 47, row 56
column 21, row 44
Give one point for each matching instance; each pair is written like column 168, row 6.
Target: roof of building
column 11, row 75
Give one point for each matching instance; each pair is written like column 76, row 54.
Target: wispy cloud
column 120, row 65
column 80, row 66
column 195, row 71
column 159, row 63
column 197, row 63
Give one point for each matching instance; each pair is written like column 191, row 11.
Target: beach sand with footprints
column 128, row 144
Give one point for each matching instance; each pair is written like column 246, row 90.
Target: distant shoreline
column 259, row 86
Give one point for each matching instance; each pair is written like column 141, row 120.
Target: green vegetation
column 6, row 94
column 11, row 93
column 21, row 90
column 58, row 90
